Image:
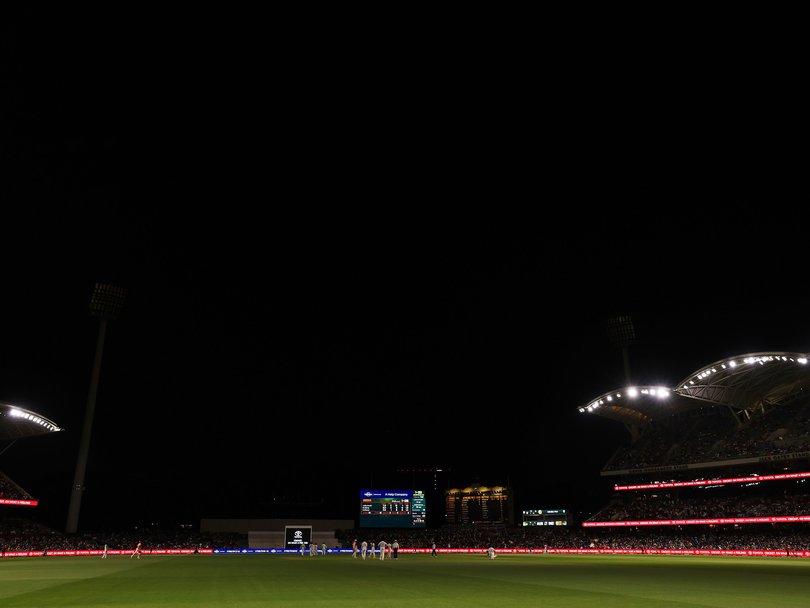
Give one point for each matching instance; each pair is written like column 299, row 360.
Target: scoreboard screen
column 392, row 509
column 545, row 517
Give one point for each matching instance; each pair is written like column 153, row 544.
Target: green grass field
column 202, row 581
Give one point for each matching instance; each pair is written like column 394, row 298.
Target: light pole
column 105, row 303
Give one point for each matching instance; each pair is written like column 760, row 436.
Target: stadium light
column 15, row 413
column 107, row 301
column 106, row 304
column 621, row 333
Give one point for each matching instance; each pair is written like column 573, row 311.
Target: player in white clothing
column 381, row 545
column 372, row 550
column 491, row 552
column 363, row 549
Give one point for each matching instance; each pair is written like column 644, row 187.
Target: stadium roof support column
column 105, row 303
column 739, row 415
column 634, row 430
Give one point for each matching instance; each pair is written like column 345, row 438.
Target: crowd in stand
column 539, row 538
column 649, row 507
column 20, row 535
column 23, row 535
column 714, row 434
column 10, row 490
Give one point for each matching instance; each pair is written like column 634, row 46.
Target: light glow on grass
column 446, row 581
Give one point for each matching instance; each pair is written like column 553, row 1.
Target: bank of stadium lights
column 632, row 392
column 15, row 413
column 749, row 361
column 107, row 301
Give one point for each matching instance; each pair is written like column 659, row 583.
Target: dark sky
column 342, row 264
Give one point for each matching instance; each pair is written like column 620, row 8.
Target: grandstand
column 728, row 445
column 719, row 462
column 18, row 423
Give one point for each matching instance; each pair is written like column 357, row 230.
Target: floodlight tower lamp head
column 621, row 331
column 107, row 301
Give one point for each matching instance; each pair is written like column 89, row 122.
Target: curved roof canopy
column 639, row 405
column 744, row 382
column 749, row 380
column 17, row 422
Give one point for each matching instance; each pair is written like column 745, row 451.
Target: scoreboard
column 392, row 509
column 545, row 517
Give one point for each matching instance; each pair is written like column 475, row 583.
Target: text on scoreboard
column 392, row 509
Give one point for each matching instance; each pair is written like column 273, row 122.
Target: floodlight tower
column 105, row 303
column 622, row 334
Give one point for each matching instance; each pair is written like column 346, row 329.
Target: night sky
column 341, row 268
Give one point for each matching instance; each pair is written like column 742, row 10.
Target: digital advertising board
column 295, row 536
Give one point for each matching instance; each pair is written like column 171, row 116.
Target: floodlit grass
column 202, row 581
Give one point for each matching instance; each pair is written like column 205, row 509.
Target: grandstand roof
column 744, row 382
column 17, row 422
column 640, row 404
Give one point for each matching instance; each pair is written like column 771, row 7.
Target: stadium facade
column 728, row 444
column 18, row 423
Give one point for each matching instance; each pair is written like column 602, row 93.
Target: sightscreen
column 295, row 536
